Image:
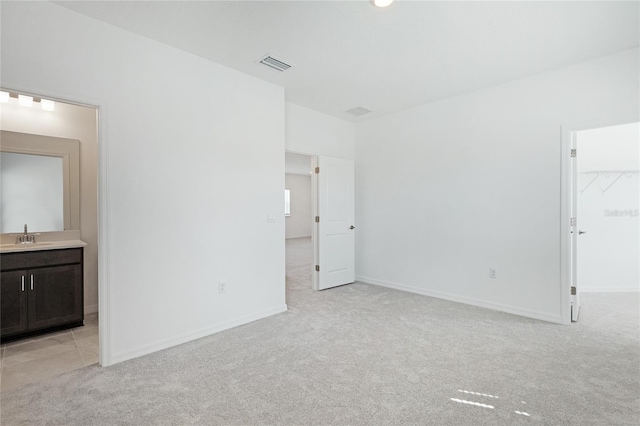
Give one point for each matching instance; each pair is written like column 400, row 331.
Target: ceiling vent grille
column 276, row 64
column 359, row 111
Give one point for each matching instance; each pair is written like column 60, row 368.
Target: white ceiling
column 350, row 53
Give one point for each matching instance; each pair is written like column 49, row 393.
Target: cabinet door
column 55, row 296
column 13, row 302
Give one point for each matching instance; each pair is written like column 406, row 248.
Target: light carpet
column 366, row 355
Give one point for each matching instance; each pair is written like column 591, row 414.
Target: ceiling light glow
column 382, row 3
column 47, row 105
column 4, row 97
column 25, row 100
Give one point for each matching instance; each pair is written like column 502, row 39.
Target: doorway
column 601, row 193
column 319, row 214
column 299, row 220
column 33, row 359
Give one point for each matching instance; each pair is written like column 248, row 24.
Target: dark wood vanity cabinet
column 40, row 291
column 13, row 303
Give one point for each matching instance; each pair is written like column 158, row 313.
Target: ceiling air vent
column 359, row 111
column 276, row 64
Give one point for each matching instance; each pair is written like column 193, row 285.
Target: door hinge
column 317, row 219
column 573, row 290
column 317, row 170
column 317, row 268
column 573, row 152
column 572, row 221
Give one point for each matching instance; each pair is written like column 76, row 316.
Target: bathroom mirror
column 40, row 183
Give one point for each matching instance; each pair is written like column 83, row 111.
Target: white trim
column 565, row 228
column 193, row 335
column 565, row 203
column 104, row 289
column 90, row 309
column 610, row 290
column 315, row 237
column 544, row 316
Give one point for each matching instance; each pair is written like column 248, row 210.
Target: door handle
column 352, row 227
column 31, row 281
column 581, row 232
column 23, row 283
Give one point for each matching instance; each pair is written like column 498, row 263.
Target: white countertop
column 41, row 245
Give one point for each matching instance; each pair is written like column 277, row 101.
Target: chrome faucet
column 25, row 238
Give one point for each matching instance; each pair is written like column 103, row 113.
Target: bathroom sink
column 44, row 245
column 26, row 246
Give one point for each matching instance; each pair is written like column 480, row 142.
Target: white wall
column 175, row 132
column 299, row 223
column 314, row 133
column 449, row 189
column 608, row 254
column 71, row 122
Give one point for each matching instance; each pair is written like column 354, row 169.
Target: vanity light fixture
column 47, row 105
column 382, row 3
column 25, row 100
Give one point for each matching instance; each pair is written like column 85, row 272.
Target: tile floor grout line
column 37, row 338
column 78, row 347
column 22, row 347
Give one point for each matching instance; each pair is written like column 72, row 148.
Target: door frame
column 104, row 340
column 566, row 202
column 314, row 209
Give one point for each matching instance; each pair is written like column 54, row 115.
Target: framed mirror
column 40, row 183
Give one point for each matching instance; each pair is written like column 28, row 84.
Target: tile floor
column 38, row 358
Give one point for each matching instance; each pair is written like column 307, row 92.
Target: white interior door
column 575, row 232
column 335, row 224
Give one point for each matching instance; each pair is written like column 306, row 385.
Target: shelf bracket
column 611, row 184
column 589, row 184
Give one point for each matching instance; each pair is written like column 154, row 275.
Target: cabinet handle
column 31, row 281
column 23, row 283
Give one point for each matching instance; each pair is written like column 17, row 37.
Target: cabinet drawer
column 36, row 259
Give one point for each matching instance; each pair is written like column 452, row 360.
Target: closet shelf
column 609, row 172
column 606, row 173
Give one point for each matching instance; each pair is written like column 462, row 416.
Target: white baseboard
column 90, row 309
column 544, row 316
column 187, row 337
column 609, row 289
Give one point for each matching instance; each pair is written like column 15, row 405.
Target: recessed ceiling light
column 382, row 3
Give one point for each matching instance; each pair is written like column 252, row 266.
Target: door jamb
column 568, row 132
column 314, row 209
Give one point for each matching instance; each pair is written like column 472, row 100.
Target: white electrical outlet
column 222, row 287
column 492, row 273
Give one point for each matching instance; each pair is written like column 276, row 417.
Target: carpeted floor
column 366, row 355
